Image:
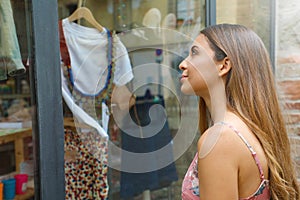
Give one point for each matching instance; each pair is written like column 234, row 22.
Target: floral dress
column 190, row 185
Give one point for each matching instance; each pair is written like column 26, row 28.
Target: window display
column 10, row 56
column 16, row 144
column 150, row 32
column 86, row 85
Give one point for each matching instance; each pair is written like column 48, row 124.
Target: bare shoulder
column 219, row 140
column 218, row 163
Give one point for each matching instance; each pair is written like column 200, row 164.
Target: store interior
column 144, row 42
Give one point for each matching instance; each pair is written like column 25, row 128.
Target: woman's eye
column 194, row 51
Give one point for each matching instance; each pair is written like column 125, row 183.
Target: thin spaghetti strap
column 254, row 155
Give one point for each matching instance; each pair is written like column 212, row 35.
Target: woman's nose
column 182, row 65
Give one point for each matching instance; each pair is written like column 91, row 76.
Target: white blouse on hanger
column 88, row 54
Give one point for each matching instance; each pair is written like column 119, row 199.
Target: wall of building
column 288, row 69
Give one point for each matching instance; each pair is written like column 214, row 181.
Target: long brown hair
column 251, row 94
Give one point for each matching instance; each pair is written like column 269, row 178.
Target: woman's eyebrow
column 194, row 47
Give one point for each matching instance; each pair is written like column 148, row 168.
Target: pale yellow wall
column 254, row 14
column 237, row 12
column 226, row 11
column 100, row 12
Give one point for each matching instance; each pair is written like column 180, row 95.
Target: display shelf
column 16, row 136
column 14, row 96
column 27, row 195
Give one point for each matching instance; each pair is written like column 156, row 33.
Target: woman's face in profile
column 199, row 70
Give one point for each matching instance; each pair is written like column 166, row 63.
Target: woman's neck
column 216, row 104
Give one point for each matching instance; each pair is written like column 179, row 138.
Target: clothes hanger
column 84, row 12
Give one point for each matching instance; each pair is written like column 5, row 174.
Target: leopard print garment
column 85, row 166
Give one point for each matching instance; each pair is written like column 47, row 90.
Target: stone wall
column 288, row 69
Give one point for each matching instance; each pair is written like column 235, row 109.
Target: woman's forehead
column 201, row 42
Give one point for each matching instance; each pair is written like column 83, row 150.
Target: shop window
column 256, row 15
column 155, row 36
column 16, row 145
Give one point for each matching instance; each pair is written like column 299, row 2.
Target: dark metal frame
column 211, row 12
column 48, row 133
column 273, row 33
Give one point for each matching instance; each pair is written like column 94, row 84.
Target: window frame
column 48, row 130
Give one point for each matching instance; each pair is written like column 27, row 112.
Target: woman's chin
column 187, row 91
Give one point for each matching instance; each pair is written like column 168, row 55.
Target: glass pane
column 16, row 145
column 253, row 14
column 153, row 38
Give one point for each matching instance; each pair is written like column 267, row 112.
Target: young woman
column 245, row 153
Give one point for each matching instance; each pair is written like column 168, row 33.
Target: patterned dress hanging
column 85, row 149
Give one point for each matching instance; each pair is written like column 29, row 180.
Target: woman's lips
column 183, row 77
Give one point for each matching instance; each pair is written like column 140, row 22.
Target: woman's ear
column 224, row 66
